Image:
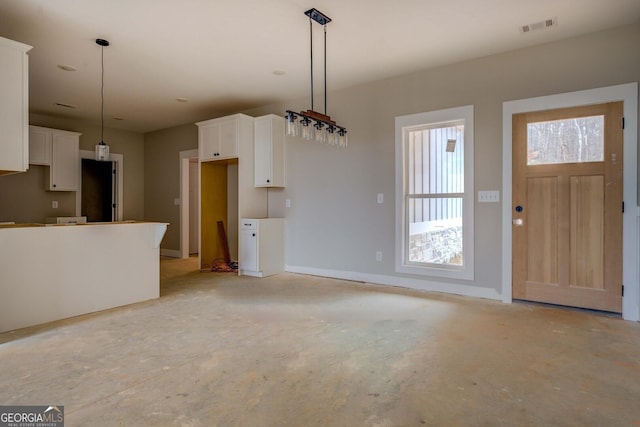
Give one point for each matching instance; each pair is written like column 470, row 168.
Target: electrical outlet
column 54, row 204
column 379, row 256
column 287, row 203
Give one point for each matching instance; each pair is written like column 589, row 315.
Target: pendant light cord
column 102, row 99
column 325, row 69
column 311, row 44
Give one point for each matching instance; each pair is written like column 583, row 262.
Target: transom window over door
column 434, row 171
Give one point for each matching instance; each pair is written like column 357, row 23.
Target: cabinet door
column 209, row 142
column 248, row 257
column 228, row 138
column 263, row 154
column 39, row 146
column 269, row 151
column 65, row 162
column 14, row 118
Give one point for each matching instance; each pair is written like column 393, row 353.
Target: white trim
column 440, row 116
column 403, row 282
column 171, row 253
column 628, row 93
column 185, row 156
column 119, row 159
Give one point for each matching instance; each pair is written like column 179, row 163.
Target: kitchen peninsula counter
column 51, row 272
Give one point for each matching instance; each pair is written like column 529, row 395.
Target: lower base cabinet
column 261, row 247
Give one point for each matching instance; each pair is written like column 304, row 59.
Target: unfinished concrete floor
column 291, row 350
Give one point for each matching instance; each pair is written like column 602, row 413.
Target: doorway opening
column 93, row 197
column 189, row 203
column 98, row 202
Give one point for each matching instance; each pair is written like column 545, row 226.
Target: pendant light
column 102, row 149
column 312, row 125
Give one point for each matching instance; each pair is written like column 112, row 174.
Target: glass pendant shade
column 102, row 152
column 319, row 132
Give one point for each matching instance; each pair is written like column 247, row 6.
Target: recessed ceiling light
column 67, row 67
column 182, row 99
column 62, row 104
column 279, row 72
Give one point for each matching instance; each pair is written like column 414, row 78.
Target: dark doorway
column 98, row 201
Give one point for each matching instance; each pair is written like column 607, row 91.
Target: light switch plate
column 380, row 198
column 489, row 196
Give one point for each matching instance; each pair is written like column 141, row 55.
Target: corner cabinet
column 14, row 106
column 218, row 139
column 60, row 150
column 269, row 151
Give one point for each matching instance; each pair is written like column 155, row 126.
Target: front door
column 567, row 206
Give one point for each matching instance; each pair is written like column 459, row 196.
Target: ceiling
column 226, row 56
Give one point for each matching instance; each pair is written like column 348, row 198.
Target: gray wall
column 162, row 177
column 23, row 198
column 334, row 222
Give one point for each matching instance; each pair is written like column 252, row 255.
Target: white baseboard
column 172, row 253
column 404, row 282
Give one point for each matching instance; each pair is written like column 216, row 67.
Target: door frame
column 628, row 93
column 185, row 157
column 119, row 160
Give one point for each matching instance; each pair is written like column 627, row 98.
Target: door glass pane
column 574, row 140
column 435, row 230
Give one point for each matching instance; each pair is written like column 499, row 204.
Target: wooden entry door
column 567, row 206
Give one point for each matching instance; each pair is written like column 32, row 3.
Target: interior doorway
column 98, row 202
column 189, row 203
column 117, row 184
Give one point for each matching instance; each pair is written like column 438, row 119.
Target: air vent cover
column 547, row 23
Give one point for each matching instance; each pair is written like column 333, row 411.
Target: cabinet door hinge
column 623, row 123
column 622, row 290
column 623, row 207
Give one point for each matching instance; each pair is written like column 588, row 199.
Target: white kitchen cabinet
column 218, row 139
column 64, row 172
column 14, row 106
column 261, row 247
column 60, row 150
column 269, row 151
column 39, row 146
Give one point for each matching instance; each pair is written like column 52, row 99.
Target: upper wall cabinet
column 218, row 139
column 14, row 106
column 269, row 151
column 60, row 150
column 39, row 146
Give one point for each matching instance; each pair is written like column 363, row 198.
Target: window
column 573, row 140
column 434, row 200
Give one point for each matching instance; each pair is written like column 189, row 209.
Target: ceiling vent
column 547, row 23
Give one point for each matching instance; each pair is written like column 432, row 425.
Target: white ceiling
column 221, row 54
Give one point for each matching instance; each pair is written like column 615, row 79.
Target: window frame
column 404, row 124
